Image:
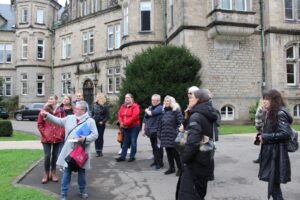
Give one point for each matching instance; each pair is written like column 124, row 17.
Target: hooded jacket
column 129, row 115
column 275, row 163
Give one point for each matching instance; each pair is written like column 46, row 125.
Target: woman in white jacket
column 72, row 123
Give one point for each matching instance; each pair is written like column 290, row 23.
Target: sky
column 61, row 2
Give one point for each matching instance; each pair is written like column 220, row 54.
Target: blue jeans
column 66, row 179
column 130, row 136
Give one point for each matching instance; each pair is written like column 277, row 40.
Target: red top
column 51, row 133
column 129, row 116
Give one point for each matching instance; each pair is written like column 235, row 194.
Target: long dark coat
column 201, row 121
column 275, row 163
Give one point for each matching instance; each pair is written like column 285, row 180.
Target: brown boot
column 45, row 178
column 54, row 177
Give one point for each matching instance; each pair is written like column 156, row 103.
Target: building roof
column 8, row 13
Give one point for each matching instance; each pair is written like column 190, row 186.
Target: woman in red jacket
column 51, row 137
column 129, row 119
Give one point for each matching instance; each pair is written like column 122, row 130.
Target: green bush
column 252, row 111
column 10, row 103
column 164, row 70
column 6, row 128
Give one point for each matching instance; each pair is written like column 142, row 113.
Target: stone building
column 244, row 46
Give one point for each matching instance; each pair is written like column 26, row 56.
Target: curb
column 18, row 179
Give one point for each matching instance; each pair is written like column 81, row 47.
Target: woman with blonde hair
column 100, row 114
column 168, row 129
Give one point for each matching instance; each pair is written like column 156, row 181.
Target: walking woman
column 275, row 165
column 51, row 137
column 200, row 123
column 100, row 115
column 129, row 119
column 168, row 129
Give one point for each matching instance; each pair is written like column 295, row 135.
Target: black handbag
column 293, row 143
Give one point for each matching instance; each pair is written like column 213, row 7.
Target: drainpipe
column 52, row 60
column 165, row 22
column 262, row 31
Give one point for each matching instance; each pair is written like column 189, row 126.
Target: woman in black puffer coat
column 168, row 129
column 200, row 122
column 275, row 165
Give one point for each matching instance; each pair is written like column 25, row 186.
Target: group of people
column 161, row 123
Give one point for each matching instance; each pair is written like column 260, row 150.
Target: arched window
column 292, row 64
column 227, row 113
column 297, row 111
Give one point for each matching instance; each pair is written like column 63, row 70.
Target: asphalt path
column 235, row 174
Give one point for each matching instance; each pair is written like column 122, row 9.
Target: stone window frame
column 66, row 47
column 66, row 83
column 88, row 39
column 125, row 20
column 24, row 82
column 233, row 5
column 24, row 19
column 225, row 115
column 40, row 16
column 113, row 79
column 171, row 7
column 24, row 46
column 5, row 56
column 292, row 57
column 43, row 49
column 7, row 81
column 141, row 10
column 297, row 111
column 293, row 9
column 113, row 35
column 42, row 82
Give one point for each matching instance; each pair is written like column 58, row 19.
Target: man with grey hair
column 150, row 127
column 81, row 123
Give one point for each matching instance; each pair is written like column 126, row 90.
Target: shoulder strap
column 75, row 127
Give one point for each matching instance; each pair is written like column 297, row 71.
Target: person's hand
column 260, row 139
column 158, row 141
column 143, row 133
column 81, row 140
column 43, row 113
column 148, row 111
column 101, row 122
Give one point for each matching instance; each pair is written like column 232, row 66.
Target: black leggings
column 276, row 193
column 173, row 154
column 50, row 157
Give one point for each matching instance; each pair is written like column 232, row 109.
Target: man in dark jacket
column 150, row 127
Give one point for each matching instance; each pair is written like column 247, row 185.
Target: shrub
column 252, row 111
column 10, row 103
column 6, row 128
column 164, row 70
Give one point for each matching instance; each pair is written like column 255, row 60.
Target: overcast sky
column 62, row 2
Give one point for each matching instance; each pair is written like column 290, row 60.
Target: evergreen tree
column 164, row 70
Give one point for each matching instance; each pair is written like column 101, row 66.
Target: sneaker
column 100, row 154
column 170, row 171
column 131, row 159
column 152, row 164
column 120, row 151
column 84, row 195
column 128, row 151
column 120, row 159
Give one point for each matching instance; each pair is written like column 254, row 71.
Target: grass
column 12, row 164
column 238, row 129
column 19, row 136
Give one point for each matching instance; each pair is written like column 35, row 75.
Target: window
column 66, row 84
column 24, row 53
column 113, row 80
column 40, row 84
column 6, row 87
column 241, row 5
column 39, row 16
column 171, row 12
column 292, row 9
column 83, row 8
column 226, row 4
column 292, row 65
column 88, row 42
column 40, row 49
column 24, row 15
column 24, row 84
column 145, row 15
column 117, row 36
column 125, row 20
column 110, row 36
column 66, row 47
column 297, row 111
column 227, row 113
column 5, row 53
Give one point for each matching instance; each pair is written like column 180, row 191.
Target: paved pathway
column 236, row 175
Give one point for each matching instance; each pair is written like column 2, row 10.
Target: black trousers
column 173, row 154
column 99, row 141
column 158, row 153
column 50, row 155
column 211, row 168
column 276, row 193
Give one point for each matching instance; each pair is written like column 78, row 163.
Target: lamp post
column 95, row 80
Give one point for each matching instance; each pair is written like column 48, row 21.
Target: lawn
column 237, row 129
column 12, row 164
column 19, row 135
